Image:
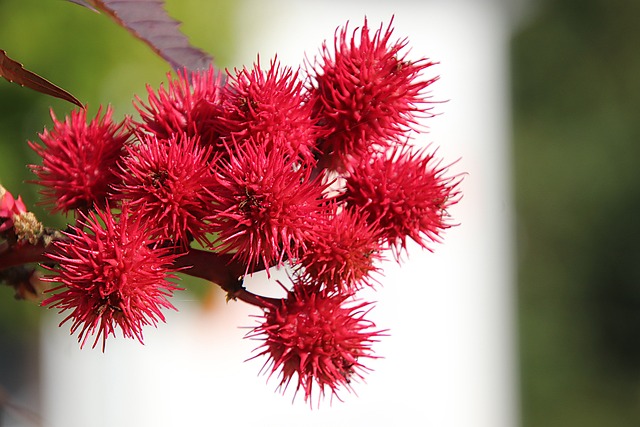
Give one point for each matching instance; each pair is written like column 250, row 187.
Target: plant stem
column 224, row 271
column 220, row 269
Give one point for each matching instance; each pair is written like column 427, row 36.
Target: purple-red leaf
column 149, row 21
column 14, row 72
column 85, row 4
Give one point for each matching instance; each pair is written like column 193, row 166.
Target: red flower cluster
column 163, row 181
column 344, row 254
column 189, row 106
column 265, row 205
column 79, row 160
column 262, row 167
column 270, row 106
column 110, row 275
column 314, row 336
column 404, row 194
column 367, row 95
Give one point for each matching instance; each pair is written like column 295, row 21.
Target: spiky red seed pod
column 318, row 337
column 79, row 160
column 405, row 194
column 165, row 184
column 109, row 276
column 190, row 105
column 269, row 102
column 265, row 205
column 343, row 256
column 367, row 94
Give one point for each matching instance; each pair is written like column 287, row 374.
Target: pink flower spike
column 367, row 94
column 8, row 203
column 110, row 276
column 79, row 160
column 318, row 338
column 404, row 194
column 9, row 207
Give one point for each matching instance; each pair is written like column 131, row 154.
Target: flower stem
column 220, row 269
column 23, row 255
column 224, row 271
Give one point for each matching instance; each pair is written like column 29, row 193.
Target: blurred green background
column 576, row 105
column 576, row 98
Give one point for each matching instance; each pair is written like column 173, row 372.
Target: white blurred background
column 450, row 358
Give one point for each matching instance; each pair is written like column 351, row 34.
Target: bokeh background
column 576, row 99
column 575, row 92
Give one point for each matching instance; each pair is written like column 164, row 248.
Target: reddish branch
column 220, row 269
column 224, row 271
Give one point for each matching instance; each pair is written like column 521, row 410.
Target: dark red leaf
column 149, row 21
column 85, row 4
column 15, row 72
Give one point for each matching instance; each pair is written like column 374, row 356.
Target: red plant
column 79, row 160
column 190, row 105
column 269, row 106
column 165, row 183
column 317, row 337
column 110, row 275
column 266, row 205
column 405, row 194
column 345, row 254
column 367, row 94
column 260, row 167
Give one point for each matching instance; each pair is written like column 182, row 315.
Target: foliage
column 576, row 98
